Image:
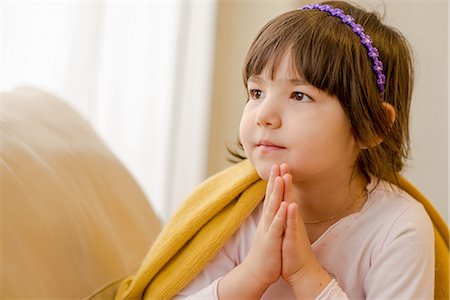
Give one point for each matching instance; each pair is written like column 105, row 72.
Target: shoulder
column 402, row 258
column 397, row 205
column 398, row 216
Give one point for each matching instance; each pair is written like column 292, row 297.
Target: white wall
column 138, row 71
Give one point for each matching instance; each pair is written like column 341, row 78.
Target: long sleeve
column 332, row 292
column 204, row 286
column 207, row 293
column 404, row 266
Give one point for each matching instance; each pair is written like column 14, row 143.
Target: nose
column 269, row 113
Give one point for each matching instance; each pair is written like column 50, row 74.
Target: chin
column 262, row 168
column 264, row 173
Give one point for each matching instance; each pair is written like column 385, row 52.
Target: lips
column 268, row 145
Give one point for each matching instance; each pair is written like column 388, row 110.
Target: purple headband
column 359, row 30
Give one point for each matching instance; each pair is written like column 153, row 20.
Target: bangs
column 318, row 56
column 269, row 57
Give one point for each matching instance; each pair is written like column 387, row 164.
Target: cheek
column 245, row 130
column 242, row 134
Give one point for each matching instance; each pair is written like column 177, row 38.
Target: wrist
column 241, row 283
column 253, row 280
column 309, row 283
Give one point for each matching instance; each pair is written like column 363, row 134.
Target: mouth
column 268, row 145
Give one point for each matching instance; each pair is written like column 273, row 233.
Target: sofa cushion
column 73, row 218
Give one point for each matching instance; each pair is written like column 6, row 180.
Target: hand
column 296, row 248
column 262, row 265
column 300, row 266
column 264, row 258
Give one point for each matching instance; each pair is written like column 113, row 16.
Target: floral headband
column 359, row 30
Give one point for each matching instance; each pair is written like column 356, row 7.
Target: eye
column 299, row 96
column 255, row 94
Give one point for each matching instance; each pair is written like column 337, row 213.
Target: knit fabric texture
column 196, row 232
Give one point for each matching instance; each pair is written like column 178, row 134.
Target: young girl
column 326, row 125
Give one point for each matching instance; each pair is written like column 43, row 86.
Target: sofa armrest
column 73, row 219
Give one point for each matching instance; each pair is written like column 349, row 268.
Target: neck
column 326, row 201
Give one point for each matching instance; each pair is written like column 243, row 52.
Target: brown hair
column 329, row 55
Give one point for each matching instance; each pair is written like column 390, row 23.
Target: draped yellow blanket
column 210, row 216
column 197, row 231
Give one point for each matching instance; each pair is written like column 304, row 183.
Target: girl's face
column 288, row 120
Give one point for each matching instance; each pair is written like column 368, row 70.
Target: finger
column 292, row 217
column 278, row 224
column 274, row 200
column 291, row 232
column 288, row 189
column 284, row 169
column 274, row 172
column 295, row 228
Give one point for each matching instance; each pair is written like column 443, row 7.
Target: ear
column 390, row 111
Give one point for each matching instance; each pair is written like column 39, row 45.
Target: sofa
column 74, row 222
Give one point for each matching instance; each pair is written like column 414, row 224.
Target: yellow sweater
column 208, row 219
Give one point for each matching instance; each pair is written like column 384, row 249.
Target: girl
column 326, row 125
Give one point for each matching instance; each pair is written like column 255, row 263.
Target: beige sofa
column 74, row 222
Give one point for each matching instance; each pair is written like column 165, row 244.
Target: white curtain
column 139, row 71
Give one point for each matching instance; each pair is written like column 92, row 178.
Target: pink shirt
column 384, row 251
